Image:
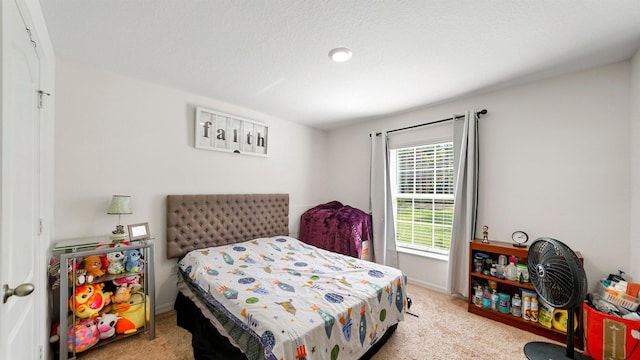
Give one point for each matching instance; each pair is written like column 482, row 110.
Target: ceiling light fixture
column 340, row 54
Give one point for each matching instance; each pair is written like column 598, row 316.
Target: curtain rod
column 481, row 112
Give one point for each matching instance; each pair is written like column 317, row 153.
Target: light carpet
column 443, row 330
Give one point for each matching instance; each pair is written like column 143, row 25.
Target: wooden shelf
column 520, row 323
column 494, row 249
column 524, row 285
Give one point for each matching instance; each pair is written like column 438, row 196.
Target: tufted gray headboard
column 201, row 221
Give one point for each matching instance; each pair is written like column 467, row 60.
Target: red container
column 609, row 337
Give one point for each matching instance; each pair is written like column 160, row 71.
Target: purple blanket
column 336, row 227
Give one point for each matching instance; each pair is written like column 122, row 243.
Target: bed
column 337, row 227
column 249, row 291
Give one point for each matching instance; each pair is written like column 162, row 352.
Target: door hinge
column 40, row 227
column 41, row 95
column 41, row 354
column 35, row 45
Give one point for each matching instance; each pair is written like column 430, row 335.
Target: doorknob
column 20, row 290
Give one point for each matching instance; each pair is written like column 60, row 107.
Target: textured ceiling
column 271, row 55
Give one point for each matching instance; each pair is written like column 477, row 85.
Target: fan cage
column 556, row 273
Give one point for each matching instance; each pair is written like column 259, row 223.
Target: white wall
column 554, row 162
column 118, row 135
column 634, row 270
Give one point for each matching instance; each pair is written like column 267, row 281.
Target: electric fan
column 557, row 275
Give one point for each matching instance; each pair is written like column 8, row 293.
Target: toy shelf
column 141, row 300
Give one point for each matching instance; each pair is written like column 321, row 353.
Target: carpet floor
column 443, row 330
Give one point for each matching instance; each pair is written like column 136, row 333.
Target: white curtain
column 465, row 141
column 380, row 203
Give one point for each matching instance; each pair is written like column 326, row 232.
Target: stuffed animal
column 123, row 294
column 116, row 262
column 54, row 273
column 133, row 261
column 132, row 314
column 93, row 266
column 89, row 300
column 107, row 325
column 133, row 281
column 85, row 335
column 55, row 330
column 79, row 276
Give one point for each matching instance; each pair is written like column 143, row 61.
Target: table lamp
column 120, row 204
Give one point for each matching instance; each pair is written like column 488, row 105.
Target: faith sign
column 223, row 132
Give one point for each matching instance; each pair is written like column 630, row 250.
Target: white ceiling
column 271, row 55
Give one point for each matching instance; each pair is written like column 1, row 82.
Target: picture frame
column 215, row 130
column 138, row 231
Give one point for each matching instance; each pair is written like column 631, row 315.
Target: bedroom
column 560, row 158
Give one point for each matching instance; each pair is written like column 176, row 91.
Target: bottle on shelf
column 511, row 272
column 516, row 305
column 478, row 296
column 522, row 273
column 486, row 298
column 534, row 310
column 494, row 270
column 526, row 308
column 503, row 303
column 494, row 300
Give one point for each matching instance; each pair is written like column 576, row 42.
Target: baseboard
column 426, row 285
column 163, row 308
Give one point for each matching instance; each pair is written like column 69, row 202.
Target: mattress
column 279, row 298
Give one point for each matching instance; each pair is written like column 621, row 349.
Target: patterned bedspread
column 299, row 301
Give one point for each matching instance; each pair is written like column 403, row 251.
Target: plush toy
column 107, row 325
column 116, row 262
column 54, row 336
column 133, row 261
column 132, row 314
column 85, row 335
column 79, row 276
column 133, row 281
column 123, row 294
column 89, row 300
column 93, row 266
column 55, row 330
column 54, row 273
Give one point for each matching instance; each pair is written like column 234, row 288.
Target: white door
column 20, row 318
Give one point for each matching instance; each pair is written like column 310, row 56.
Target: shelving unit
column 73, row 251
column 495, row 249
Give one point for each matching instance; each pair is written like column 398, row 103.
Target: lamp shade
column 120, row 204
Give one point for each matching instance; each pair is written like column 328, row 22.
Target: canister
column 503, row 303
column 493, row 285
column 534, row 310
column 487, row 263
column 516, row 305
column 477, row 299
column 478, row 264
column 522, row 273
column 526, row 308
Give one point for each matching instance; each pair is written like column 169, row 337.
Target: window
column 422, row 181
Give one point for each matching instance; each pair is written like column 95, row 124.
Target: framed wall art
column 218, row 131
